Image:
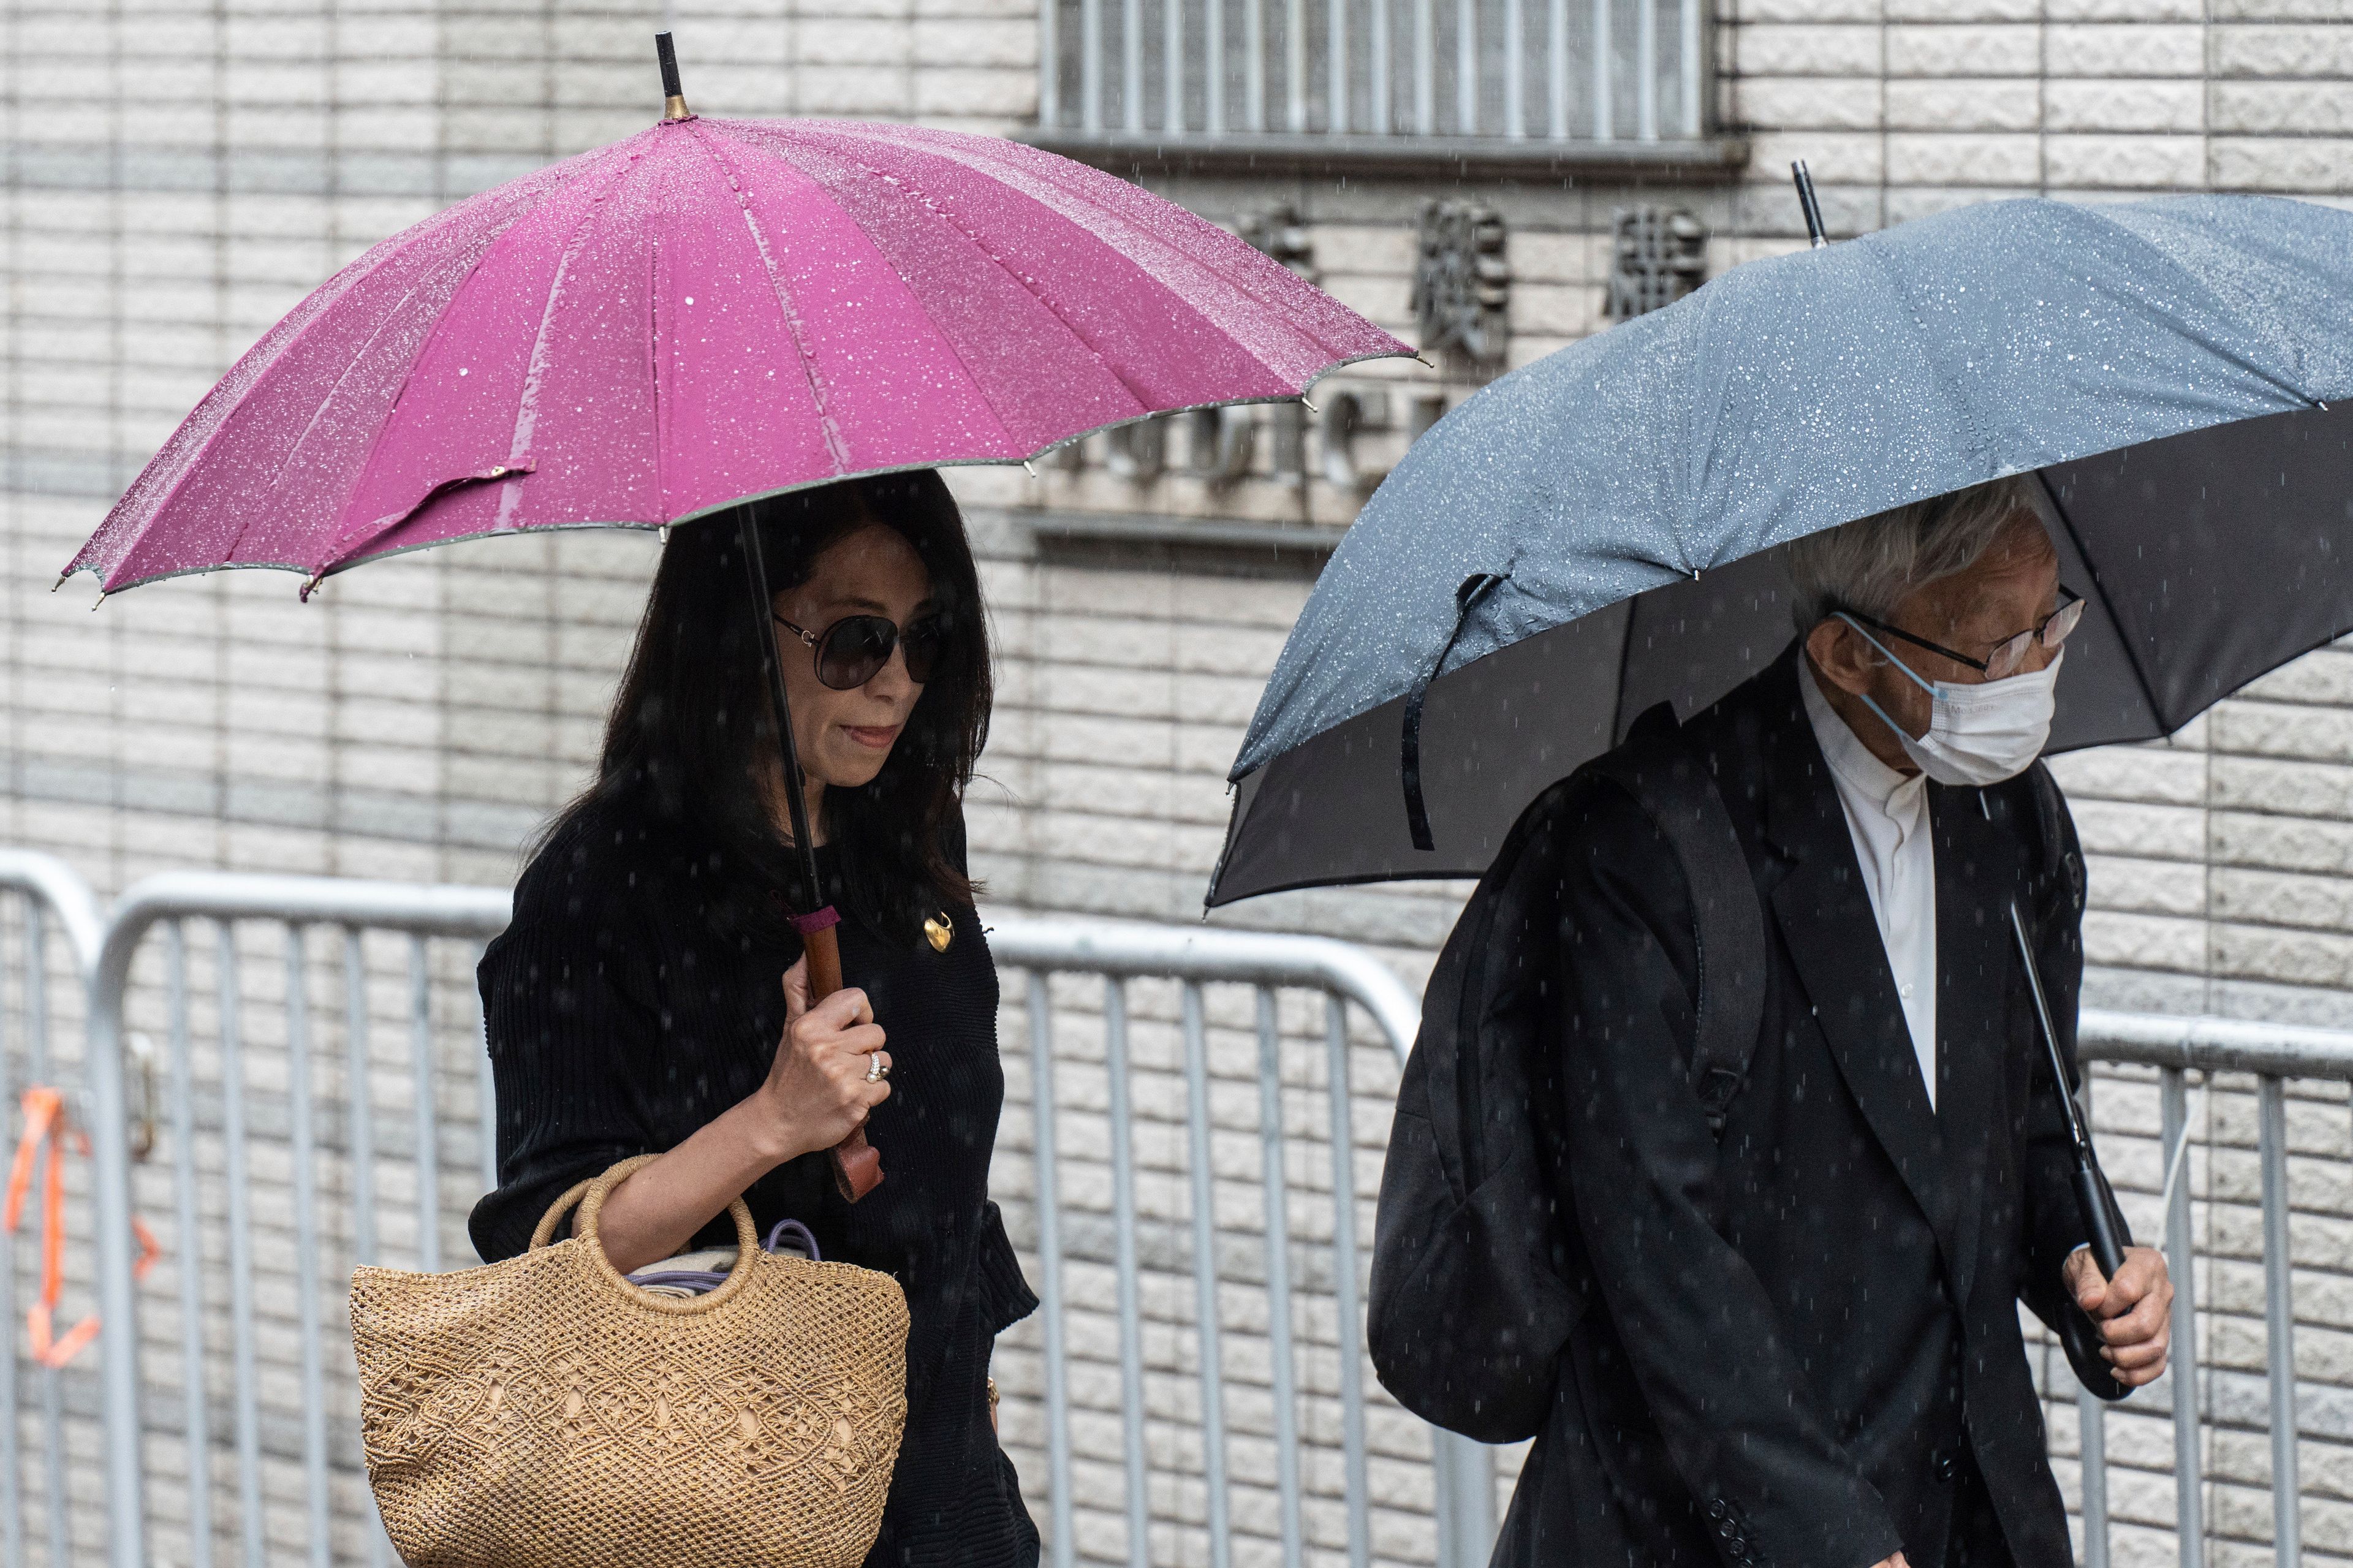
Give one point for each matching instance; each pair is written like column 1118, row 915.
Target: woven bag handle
column 590, row 1196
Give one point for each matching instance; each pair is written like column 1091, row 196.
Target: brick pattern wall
column 179, row 174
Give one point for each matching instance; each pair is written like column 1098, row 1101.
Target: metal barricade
column 2272, row 1054
column 49, row 899
column 219, row 1109
column 254, row 1182
column 1190, row 1152
column 1217, row 1251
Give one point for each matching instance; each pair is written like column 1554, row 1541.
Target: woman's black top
column 637, row 996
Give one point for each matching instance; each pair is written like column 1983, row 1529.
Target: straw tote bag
column 544, row 1412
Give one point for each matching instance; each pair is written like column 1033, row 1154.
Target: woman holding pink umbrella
column 762, row 338
column 633, row 1006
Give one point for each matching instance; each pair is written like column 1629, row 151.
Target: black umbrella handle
column 2104, row 1222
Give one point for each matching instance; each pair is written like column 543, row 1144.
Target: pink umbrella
column 712, row 310
column 708, row 312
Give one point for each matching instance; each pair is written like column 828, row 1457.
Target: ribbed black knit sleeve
column 573, row 1020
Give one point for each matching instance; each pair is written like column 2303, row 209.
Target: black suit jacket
column 1804, row 1335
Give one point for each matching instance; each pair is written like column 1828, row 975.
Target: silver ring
column 875, row 1070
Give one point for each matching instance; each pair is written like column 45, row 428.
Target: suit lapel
column 1824, row 914
column 1979, row 871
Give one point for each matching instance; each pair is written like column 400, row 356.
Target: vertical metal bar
column 1466, row 1500
column 357, row 1101
column 303, row 1155
column 1425, row 67
column 1254, row 64
column 195, row 1419
column 2279, row 1325
column 1130, row 74
column 428, row 1113
column 1646, row 69
column 1205, row 1280
column 2092, row 1433
column 1338, row 1090
column 1466, row 68
column 2181, row 1261
column 1049, row 1270
column 1556, row 70
column 1604, row 112
column 237, row 1176
column 359, row 1107
column 1336, row 48
column 1130, row 1313
column 1278, row 1276
column 1691, row 61
column 1172, row 67
column 486, row 1088
column 53, row 1412
column 108, row 1100
column 1378, row 68
column 1049, row 63
column 1213, row 65
column 1091, row 64
column 12, row 1482
column 1294, row 65
column 1516, row 69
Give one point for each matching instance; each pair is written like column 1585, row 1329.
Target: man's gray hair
column 1867, row 566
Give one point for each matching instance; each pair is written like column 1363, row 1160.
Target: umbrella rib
column 2132, row 658
column 997, row 261
column 834, row 445
column 1062, row 184
column 2214, row 300
column 374, row 528
column 522, row 211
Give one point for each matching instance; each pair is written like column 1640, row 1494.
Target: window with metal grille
column 1195, row 70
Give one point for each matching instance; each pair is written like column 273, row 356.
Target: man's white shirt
column 1887, row 815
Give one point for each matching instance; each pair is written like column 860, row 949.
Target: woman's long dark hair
column 692, row 732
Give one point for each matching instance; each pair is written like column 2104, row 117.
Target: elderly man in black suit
column 1806, row 1350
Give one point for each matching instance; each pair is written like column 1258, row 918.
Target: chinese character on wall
column 1461, row 282
column 1657, row 257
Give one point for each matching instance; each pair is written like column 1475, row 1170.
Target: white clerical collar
column 1897, row 795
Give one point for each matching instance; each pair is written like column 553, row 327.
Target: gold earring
column 939, row 932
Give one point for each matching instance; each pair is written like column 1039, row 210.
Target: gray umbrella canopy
column 2164, row 368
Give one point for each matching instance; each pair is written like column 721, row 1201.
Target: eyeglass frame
column 2070, row 600
column 815, row 641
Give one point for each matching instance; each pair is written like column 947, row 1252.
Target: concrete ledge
column 1706, row 161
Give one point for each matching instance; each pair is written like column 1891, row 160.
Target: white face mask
column 1979, row 734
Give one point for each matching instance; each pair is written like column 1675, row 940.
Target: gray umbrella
column 2166, row 369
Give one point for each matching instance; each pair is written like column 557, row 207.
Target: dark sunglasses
column 2008, row 653
column 853, row 650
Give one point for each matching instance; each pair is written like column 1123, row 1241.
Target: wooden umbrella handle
column 857, row 1167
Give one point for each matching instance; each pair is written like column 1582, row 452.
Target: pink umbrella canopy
column 712, row 310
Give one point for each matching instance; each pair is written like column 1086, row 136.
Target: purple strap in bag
column 787, row 1235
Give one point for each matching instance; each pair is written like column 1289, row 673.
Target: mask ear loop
column 1902, row 734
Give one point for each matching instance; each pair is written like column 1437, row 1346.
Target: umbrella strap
column 1474, row 588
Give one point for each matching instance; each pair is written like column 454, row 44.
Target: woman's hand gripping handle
column 832, row 1052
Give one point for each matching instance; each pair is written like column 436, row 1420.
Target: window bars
column 1558, row 70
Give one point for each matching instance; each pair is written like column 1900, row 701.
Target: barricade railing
column 2274, row 1055
column 50, row 900
column 1189, row 1155
column 277, row 1123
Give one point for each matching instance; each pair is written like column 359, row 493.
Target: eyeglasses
column 2011, row 652
column 853, row 650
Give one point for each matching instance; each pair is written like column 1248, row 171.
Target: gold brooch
column 939, row 933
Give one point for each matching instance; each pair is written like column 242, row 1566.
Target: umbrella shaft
column 756, row 571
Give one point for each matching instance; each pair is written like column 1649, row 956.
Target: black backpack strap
column 1673, row 785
